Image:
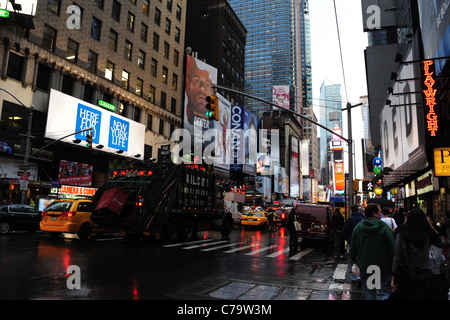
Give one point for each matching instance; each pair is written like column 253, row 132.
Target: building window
column 131, row 22
column 174, row 81
column 161, row 126
column 165, row 75
column 151, row 94
column 54, row 6
column 113, row 37
column 92, row 61
column 43, row 77
column 158, row 17
column 163, row 100
column 72, row 51
column 154, row 68
column 125, row 79
column 116, row 10
column 15, row 66
column 176, row 55
column 155, row 44
column 178, row 13
column 166, row 50
column 141, row 59
column 96, row 28
column 173, row 106
column 109, row 72
column 169, row 5
column 128, row 50
column 168, row 25
column 149, row 122
column 177, row 35
column 99, row 3
column 137, row 114
column 139, row 85
column 144, row 32
column 49, row 38
column 146, row 7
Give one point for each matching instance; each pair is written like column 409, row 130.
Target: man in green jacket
column 372, row 250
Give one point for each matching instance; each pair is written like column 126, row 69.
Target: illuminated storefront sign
column 430, row 97
column 442, row 162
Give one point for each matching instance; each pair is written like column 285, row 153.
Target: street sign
column 4, row 13
column 106, row 105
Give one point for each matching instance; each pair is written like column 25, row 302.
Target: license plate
column 251, row 219
column 317, row 227
column 53, row 218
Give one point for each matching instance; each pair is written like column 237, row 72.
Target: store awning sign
column 442, row 162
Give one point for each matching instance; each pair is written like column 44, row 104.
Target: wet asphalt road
column 245, row 266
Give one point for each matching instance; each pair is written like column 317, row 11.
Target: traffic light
column 213, row 107
column 355, row 186
column 89, row 140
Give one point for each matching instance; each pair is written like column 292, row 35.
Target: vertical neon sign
column 430, row 98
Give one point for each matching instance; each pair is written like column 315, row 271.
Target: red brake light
column 115, row 173
column 44, row 213
column 150, row 172
column 123, row 172
column 141, row 173
column 283, row 216
column 68, row 214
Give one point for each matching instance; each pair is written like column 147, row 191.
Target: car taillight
column 283, row 216
column 44, row 213
column 68, row 214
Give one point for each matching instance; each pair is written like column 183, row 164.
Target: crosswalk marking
column 204, row 245
column 340, row 271
column 277, row 253
column 191, row 242
column 252, row 253
column 213, row 244
column 224, row 246
column 240, row 248
column 300, row 254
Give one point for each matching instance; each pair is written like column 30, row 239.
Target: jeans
column 385, row 290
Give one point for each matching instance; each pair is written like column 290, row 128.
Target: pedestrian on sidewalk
column 347, row 231
column 388, row 219
column 373, row 245
column 412, row 273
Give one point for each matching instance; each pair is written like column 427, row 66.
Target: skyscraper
column 330, row 114
column 272, row 53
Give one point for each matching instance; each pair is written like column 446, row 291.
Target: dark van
column 315, row 221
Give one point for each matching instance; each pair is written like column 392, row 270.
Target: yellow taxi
column 254, row 219
column 68, row 216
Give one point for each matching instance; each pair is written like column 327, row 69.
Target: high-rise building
column 128, row 54
column 272, row 52
column 330, row 115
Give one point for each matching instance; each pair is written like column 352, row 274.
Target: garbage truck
column 168, row 201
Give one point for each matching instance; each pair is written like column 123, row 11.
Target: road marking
column 190, row 242
column 261, row 250
column 301, row 254
column 204, row 245
column 277, row 253
column 340, row 271
column 240, row 248
column 224, row 246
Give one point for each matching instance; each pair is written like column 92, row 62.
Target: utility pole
column 24, row 185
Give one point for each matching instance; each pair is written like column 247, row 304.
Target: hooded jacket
column 373, row 243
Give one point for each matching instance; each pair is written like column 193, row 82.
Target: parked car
column 315, row 221
column 254, row 219
column 68, row 216
column 19, row 217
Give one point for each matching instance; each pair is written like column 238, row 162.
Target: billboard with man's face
column 199, row 80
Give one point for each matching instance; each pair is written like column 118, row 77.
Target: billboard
column 115, row 133
column 280, row 96
column 199, row 80
column 294, row 179
column 75, row 174
column 339, row 176
column 244, row 126
column 222, row 144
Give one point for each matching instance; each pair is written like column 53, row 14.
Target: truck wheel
column 187, row 230
column 84, row 232
column 172, row 231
